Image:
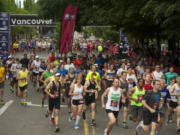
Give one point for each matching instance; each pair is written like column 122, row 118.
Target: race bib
column 140, row 98
column 155, row 106
column 81, row 101
column 56, row 94
column 114, row 103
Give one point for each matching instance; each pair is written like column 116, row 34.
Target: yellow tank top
column 2, row 74
column 24, row 82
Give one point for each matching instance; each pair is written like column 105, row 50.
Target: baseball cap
column 37, row 56
column 57, row 74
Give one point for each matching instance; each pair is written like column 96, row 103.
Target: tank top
column 23, row 74
column 55, row 90
column 91, row 87
column 138, row 95
column 124, row 85
column 113, row 99
column 110, row 75
column 80, row 90
column 176, row 90
column 157, row 75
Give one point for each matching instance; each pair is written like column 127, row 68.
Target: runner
column 124, row 101
column 114, row 94
column 175, row 101
column 22, row 78
column 2, row 81
column 110, row 75
column 42, row 68
column 165, row 98
column 131, row 78
column 136, row 95
column 91, row 95
column 171, row 104
column 151, row 104
column 45, row 75
column 36, row 65
column 169, row 75
column 54, row 91
column 15, row 68
column 157, row 74
column 70, row 78
column 76, row 92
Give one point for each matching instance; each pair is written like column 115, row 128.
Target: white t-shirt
column 114, row 97
column 37, row 65
column 80, row 90
column 158, row 75
column 120, row 70
column 67, row 66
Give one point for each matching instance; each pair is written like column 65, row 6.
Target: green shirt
column 169, row 76
column 138, row 94
column 47, row 75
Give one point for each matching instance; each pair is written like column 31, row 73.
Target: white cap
column 10, row 56
column 37, row 56
column 57, row 74
column 61, row 60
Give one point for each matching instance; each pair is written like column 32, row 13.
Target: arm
column 47, row 90
column 172, row 90
column 71, row 91
column 103, row 96
column 129, row 95
column 41, row 78
column 86, row 86
column 147, row 106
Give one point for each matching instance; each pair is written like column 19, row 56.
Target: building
column 20, row 3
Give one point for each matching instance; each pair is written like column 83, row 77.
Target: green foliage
column 57, row 32
column 107, row 33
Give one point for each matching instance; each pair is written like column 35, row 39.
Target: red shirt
column 147, row 87
column 77, row 61
column 52, row 58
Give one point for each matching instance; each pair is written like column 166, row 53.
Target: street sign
column 4, row 31
column 30, row 20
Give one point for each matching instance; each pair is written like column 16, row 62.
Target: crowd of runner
column 145, row 91
column 33, row 45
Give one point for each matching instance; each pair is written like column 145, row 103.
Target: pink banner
column 68, row 25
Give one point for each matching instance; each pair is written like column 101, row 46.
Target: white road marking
column 5, row 107
column 36, row 105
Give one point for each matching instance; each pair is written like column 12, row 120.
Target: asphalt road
column 30, row 120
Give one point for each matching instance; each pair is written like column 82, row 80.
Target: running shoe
column 93, row 123
column 70, row 118
column 69, row 110
column 106, row 132
column 125, row 125
column 76, row 126
column 157, row 133
column 41, row 105
column 47, row 114
column 84, row 115
column 11, row 89
column 52, row 121
column 2, row 102
column 178, row 130
column 57, row 129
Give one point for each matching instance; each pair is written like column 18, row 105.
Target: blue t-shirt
column 165, row 94
column 43, row 67
column 100, row 72
column 99, row 62
column 62, row 72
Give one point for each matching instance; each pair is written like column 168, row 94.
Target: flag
column 68, row 25
column 64, row 27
